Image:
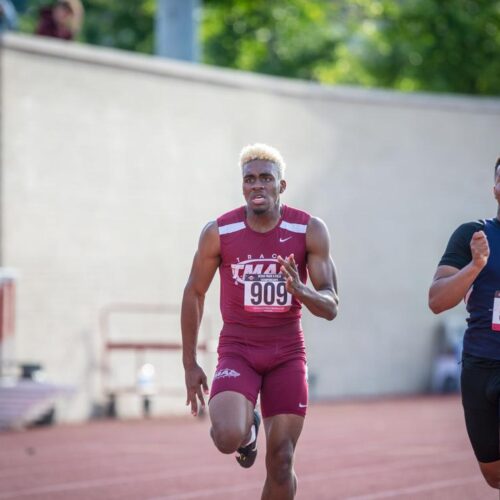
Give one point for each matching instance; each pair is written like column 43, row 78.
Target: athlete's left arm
column 323, row 300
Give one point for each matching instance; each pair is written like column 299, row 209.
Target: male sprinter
column 470, row 269
column 263, row 251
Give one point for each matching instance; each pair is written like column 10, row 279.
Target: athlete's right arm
column 205, row 263
column 450, row 285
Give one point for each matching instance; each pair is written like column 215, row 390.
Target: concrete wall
column 113, row 162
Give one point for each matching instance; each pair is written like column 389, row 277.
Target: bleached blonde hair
column 260, row 151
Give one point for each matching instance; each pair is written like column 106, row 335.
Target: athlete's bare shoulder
column 210, row 228
column 209, row 244
column 317, row 235
column 316, row 224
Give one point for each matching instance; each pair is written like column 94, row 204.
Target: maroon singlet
column 261, row 347
column 253, row 292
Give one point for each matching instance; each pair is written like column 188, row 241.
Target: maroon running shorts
column 276, row 368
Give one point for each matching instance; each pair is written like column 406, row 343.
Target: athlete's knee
column 492, row 478
column 491, row 473
column 279, row 463
column 227, row 439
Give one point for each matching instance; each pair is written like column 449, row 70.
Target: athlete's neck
column 498, row 213
column 265, row 221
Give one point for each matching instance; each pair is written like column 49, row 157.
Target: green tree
column 123, row 25
column 431, row 45
column 278, row 37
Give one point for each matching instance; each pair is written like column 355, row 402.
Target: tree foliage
column 426, row 45
column 432, row 45
column 123, row 25
column 288, row 38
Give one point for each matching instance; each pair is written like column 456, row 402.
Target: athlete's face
column 262, row 186
column 496, row 187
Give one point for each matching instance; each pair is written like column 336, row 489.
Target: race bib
column 266, row 293
column 495, row 319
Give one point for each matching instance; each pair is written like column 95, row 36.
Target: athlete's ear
column 282, row 185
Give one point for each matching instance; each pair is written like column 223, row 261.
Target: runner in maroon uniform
column 264, row 252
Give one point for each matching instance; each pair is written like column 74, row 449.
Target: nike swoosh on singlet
column 282, row 240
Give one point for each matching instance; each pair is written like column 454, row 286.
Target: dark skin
column 450, row 284
column 449, row 287
column 262, row 188
column 230, row 412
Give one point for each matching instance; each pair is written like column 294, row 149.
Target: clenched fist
column 480, row 249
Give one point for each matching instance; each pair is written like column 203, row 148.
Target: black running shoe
column 248, row 453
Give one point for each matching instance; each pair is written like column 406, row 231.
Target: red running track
column 401, row 449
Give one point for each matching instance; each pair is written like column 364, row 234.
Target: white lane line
column 97, row 483
column 352, row 471
column 436, row 485
column 131, row 478
column 208, row 492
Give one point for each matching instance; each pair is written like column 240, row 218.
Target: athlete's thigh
column 230, row 410
column 234, row 373
column 234, row 391
column 284, row 389
column 481, row 410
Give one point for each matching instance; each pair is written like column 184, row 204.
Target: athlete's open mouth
column 259, row 198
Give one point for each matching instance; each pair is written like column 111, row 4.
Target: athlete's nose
column 258, row 185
